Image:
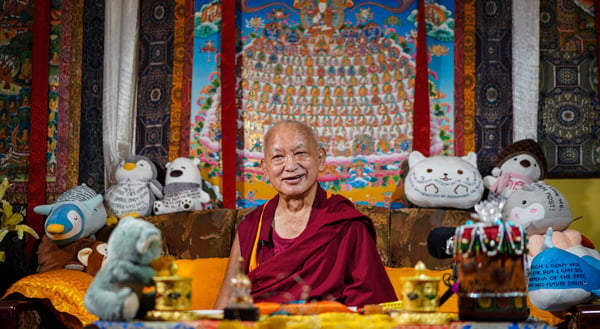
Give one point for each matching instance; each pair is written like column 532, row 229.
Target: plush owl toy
column 183, row 188
column 136, row 189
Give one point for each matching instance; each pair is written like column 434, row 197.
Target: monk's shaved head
column 305, row 129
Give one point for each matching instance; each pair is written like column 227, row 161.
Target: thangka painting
column 16, row 37
column 205, row 134
column 346, row 68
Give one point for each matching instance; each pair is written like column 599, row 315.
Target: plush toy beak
column 129, row 166
column 55, row 228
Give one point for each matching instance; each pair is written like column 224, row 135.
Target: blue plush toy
column 77, row 213
column 560, row 279
column 115, row 294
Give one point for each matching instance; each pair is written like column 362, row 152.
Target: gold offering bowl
column 420, row 292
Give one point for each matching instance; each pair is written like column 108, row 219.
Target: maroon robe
column 335, row 256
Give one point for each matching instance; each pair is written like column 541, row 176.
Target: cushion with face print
column 443, row 181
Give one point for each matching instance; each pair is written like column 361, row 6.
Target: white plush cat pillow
column 443, row 181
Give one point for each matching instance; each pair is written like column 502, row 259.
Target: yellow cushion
column 551, row 318
column 207, row 275
column 397, row 273
column 64, row 288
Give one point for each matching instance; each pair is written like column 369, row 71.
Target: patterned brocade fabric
column 381, row 220
column 64, row 288
column 408, row 235
column 198, row 234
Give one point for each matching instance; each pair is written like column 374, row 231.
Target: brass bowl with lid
column 173, row 293
column 420, row 293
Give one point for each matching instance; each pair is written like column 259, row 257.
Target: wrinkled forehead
column 291, row 132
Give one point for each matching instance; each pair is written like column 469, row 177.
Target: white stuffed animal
column 520, row 163
column 183, row 188
column 536, row 207
column 136, row 188
column 563, row 265
column 443, row 181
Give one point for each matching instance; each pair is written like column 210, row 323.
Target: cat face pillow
column 443, row 181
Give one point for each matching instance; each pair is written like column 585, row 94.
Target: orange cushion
column 397, row 273
column 207, row 275
column 64, row 288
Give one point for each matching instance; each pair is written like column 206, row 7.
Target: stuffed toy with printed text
column 77, row 213
column 116, row 293
column 443, row 181
column 520, row 163
column 136, row 189
column 559, row 259
column 183, row 188
column 565, row 276
column 538, row 206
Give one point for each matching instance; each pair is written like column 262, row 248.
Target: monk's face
column 292, row 160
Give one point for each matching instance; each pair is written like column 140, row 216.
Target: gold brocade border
column 469, row 77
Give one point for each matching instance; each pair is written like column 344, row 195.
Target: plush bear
column 520, row 163
column 115, row 294
column 54, row 256
column 90, row 259
column 77, row 213
column 183, row 188
column 136, row 189
column 443, row 181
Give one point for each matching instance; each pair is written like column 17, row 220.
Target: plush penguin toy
column 136, row 189
column 78, row 213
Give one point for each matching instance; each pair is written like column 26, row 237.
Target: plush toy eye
column 429, row 170
column 460, row 172
column 524, row 202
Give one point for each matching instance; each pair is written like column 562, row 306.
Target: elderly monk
column 301, row 245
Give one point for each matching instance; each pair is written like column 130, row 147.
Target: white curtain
column 525, row 70
column 120, row 82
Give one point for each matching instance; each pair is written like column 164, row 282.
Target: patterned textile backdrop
column 348, row 71
column 91, row 161
column 493, row 90
column 155, row 80
column 569, row 117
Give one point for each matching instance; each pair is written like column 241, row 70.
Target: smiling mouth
column 293, row 177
